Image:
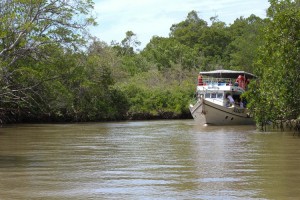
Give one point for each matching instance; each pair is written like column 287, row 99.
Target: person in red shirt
column 200, row 80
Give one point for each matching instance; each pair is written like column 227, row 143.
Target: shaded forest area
column 53, row 70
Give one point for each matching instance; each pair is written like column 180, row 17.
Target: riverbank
column 73, row 119
column 292, row 125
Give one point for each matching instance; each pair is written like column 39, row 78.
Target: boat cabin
column 223, row 87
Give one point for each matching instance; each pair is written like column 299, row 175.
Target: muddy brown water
column 174, row 159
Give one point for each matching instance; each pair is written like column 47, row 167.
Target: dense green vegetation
column 52, row 70
column 276, row 94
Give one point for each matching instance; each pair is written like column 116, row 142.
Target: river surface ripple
column 174, row 159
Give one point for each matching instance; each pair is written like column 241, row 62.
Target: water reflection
column 147, row 160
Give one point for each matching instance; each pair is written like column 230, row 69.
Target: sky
column 148, row 18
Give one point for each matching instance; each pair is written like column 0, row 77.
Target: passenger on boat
column 241, row 81
column 200, row 80
column 247, row 81
column 241, row 104
column 230, row 101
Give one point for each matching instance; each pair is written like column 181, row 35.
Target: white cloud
column 147, row 18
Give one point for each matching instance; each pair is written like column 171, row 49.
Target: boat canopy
column 227, row 74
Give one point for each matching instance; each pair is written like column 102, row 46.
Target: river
column 174, row 159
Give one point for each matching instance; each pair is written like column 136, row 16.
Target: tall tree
column 212, row 45
column 26, row 29
column 26, row 25
column 132, row 61
column 165, row 52
column 128, row 44
column 276, row 95
column 209, row 42
column 246, row 36
column 188, row 31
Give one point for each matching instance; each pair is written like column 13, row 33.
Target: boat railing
column 213, row 82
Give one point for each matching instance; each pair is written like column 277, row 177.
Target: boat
column 218, row 98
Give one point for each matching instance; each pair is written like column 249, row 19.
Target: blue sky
column 147, row 18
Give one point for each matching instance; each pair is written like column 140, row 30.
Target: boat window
column 220, row 95
column 207, row 95
column 221, row 83
column 213, row 95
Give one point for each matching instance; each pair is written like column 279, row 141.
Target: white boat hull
column 208, row 113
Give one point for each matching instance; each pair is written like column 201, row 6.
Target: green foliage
column 27, row 30
column 134, row 64
column 166, row 52
column 247, row 38
column 190, row 30
column 27, row 25
column 128, row 44
column 212, row 46
column 193, row 42
column 278, row 89
column 153, row 95
column 48, row 75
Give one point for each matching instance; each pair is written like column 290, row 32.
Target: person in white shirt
column 231, row 100
column 241, row 104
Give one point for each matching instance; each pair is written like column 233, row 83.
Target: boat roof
column 227, row 74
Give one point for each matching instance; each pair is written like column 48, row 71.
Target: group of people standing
column 241, row 81
column 235, row 100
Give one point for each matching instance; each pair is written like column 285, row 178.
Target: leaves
column 48, row 74
column 27, row 29
column 278, row 65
